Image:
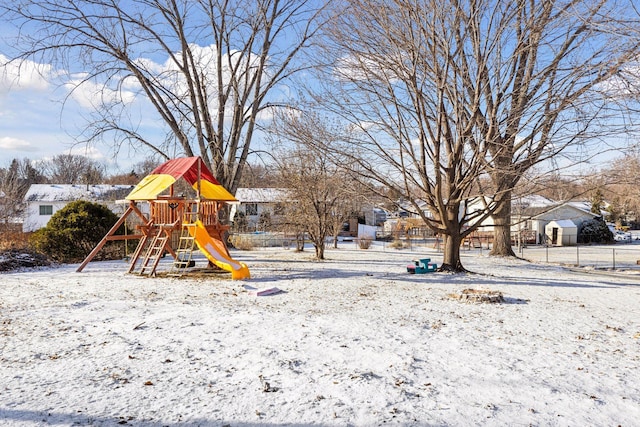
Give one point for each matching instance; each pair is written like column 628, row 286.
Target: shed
column 562, row 232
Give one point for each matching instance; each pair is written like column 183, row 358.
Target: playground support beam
column 131, row 209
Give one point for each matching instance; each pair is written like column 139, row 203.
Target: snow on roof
column 533, row 201
column 564, row 223
column 261, row 195
column 70, row 192
column 583, row 206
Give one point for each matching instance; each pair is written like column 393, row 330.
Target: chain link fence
column 618, row 256
column 621, row 255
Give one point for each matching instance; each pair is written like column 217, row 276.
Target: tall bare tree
column 206, row 67
column 446, row 93
column 542, row 70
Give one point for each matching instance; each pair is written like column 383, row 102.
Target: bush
column 365, row 242
column 12, row 237
column 240, row 223
column 397, row 244
column 595, row 231
column 243, row 243
column 75, row 230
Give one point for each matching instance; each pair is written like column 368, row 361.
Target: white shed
column 562, row 232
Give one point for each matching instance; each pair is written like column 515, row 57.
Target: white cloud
column 16, row 144
column 92, row 95
column 355, row 68
column 170, row 76
column 23, row 75
column 89, row 152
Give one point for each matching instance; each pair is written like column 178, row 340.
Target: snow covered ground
column 353, row 340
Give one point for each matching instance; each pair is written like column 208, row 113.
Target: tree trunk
column 502, row 228
column 451, row 261
column 300, row 242
column 319, row 250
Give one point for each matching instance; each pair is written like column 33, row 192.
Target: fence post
column 546, row 246
column 614, row 258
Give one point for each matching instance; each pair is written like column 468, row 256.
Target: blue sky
column 41, row 117
column 38, row 118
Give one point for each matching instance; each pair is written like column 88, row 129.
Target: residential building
column 44, row 200
column 257, row 203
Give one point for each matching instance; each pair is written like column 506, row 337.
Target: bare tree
column 137, row 172
column 205, row 66
column 320, row 192
column 541, row 68
column 446, row 93
column 621, row 186
column 258, row 175
column 15, row 181
column 73, row 169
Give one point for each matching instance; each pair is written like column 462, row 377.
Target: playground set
column 195, row 220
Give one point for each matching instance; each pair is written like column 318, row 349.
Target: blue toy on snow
column 421, row 266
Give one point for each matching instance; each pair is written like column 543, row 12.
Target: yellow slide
column 216, row 252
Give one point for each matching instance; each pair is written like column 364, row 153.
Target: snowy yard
column 353, row 340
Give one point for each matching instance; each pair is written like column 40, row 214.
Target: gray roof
column 70, row 192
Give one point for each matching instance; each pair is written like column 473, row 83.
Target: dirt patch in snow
column 18, row 259
column 479, row 295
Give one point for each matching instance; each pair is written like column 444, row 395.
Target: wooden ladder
column 136, row 254
column 184, row 253
column 154, row 253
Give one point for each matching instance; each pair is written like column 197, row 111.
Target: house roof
column 564, row 223
column 70, row 192
column 532, row 201
column 583, row 206
column 576, row 206
column 261, row 195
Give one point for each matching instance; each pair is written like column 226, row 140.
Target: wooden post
column 104, row 240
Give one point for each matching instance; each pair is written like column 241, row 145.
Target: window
column 251, row 209
column 46, row 210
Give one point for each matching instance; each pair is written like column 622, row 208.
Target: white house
column 44, row 200
column 255, row 202
column 531, row 214
column 576, row 213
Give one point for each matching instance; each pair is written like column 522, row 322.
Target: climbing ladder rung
column 154, row 253
column 185, row 249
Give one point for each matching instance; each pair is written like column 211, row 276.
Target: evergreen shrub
column 595, row 231
column 75, row 230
